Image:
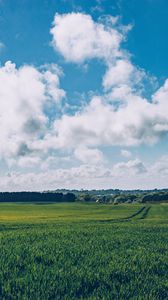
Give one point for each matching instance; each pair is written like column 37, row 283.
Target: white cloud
column 135, row 122
column 122, row 72
column 161, row 95
column 126, row 153
column 132, row 167
column 55, row 162
column 118, row 74
column 28, row 162
column 24, row 93
column 160, row 166
column 86, row 155
column 78, row 38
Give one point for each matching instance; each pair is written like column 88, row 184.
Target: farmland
column 83, row 251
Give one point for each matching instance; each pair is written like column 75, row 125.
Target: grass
column 65, row 251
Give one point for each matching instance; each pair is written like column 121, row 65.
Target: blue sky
column 25, row 22
column 53, row 93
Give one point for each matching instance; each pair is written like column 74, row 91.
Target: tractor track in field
column 145, row 212
column 140, row 214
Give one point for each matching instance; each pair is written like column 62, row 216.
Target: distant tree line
column 108, row 192
column 116, row 197
column 36, row 197
column 156, row 197
column 125, row 197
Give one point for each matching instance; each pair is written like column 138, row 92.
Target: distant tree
column 87, row 197
column 69, row 197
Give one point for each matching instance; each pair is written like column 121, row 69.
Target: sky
column 83, row 94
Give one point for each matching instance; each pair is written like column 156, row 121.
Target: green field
column 83, row 251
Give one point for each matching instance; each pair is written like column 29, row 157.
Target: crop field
column 83, row 251
column 61, row 212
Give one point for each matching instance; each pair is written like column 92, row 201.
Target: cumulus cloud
column 136, row 122
column 24, row 93
column 121, row 73
column 78, row 38
column 132, row 167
